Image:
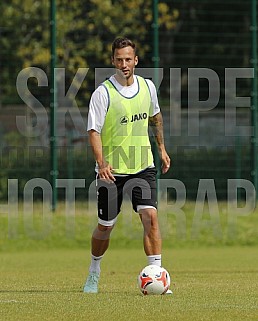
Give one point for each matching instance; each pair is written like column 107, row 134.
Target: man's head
column 120, row 43
column 124, row 58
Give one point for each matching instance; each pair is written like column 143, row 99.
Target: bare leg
column 151, row 237
column 100, row 239
column 99, row 245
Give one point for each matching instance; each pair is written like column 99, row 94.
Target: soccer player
column 121, row 110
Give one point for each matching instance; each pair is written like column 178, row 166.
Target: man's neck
column 123, row 81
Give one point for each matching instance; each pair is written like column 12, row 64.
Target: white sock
column 95, row 263
column 154, row 259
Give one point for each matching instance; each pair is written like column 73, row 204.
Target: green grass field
column 214, row 277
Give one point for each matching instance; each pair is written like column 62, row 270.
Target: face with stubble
column 125, row 60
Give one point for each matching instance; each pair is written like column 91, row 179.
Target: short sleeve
column 97, row 109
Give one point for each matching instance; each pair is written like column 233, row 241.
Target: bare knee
column 102, row 232
column 149, row 218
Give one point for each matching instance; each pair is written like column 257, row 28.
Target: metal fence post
column 155, row 58
column 53, row 105
column 254, row 139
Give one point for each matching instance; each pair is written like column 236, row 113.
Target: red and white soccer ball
column 153, row 280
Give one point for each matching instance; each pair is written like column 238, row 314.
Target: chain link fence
column 203, row 47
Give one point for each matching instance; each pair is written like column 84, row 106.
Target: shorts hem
column 107, row 223
column 142, row 207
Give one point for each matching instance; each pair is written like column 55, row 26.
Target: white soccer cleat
column 91, row 285
column 168, row 292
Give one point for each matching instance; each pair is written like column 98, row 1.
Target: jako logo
column 138, row 117
column 124, row 120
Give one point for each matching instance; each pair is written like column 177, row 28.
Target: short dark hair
column 120, row 42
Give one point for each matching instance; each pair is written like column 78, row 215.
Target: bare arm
column 156, row 124
column 105, row 169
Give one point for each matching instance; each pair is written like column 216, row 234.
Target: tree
column 85, row 31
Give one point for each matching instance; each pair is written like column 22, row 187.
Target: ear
column 112, row 60
column 136, row 60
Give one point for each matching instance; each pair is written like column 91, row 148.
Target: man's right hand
column 105, row 173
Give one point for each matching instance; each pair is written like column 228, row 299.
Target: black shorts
column 140, row 187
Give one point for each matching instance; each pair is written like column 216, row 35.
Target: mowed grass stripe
column 208, row 284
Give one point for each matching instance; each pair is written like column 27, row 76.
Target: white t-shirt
column 99, row 101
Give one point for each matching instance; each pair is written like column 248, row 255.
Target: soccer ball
column 153, row 280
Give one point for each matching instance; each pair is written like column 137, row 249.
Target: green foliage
column 194, row 34
column 220, row 164
column 85, row 31
column 23, row 161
